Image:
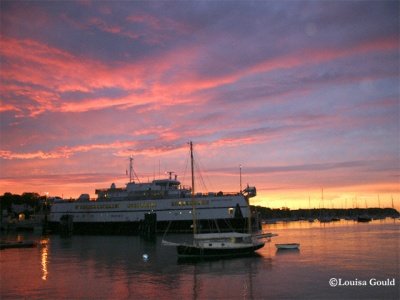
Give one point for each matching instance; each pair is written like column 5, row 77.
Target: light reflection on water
column 113, row 266
column 44, row 258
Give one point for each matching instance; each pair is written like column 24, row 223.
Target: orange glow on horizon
column 362, row 197
column 293, row 201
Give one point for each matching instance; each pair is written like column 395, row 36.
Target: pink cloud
column 8, row 107
column 315, row 56
column 33, row 63
column 189, row 82
column 64, row 152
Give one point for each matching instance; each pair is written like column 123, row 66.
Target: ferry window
column 230, row 211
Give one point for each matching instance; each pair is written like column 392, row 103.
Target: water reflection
column 120, row 260
column 227, row 278
column 288, row 252
column 44, row 257
column 113, row 266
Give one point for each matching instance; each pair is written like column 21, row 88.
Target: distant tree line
column 33, row 200
column 270, row 213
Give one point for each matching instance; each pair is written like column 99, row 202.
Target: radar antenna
column 132, row 172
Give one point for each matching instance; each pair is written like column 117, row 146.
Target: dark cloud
column 110, row 93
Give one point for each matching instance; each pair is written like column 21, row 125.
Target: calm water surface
column 112, row 267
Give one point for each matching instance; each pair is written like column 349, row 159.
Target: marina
column 131, row 268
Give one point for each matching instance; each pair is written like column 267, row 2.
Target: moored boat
column 325, row 219
column 287, row 246
column 218, row 244
column 17, row 244
column 154, row 205
column 364, row 219
column 212, row 245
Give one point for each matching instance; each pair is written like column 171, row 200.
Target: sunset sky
column 304, row 95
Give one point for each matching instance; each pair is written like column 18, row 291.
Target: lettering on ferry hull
column 96, row 206
column 190, row 203
column 151, row 205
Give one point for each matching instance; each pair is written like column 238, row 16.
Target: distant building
column 19, row 208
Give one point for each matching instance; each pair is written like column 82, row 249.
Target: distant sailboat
column 323, row 218
column 364, row 218
column 394, row 216
column 310, row 218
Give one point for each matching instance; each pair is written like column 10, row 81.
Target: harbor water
column 338, row 260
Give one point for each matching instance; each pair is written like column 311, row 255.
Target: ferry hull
column 139, row 227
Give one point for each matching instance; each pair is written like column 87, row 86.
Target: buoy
column 145, row 257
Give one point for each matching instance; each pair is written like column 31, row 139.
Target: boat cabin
column 159, row 188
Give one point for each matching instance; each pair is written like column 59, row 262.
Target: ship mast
column 193, row 204
column 132, row 173
column 247, row 197
column 240, row 178
column 130, row 168
column 249, row 229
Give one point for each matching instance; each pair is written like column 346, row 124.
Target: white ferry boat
column 153, row 206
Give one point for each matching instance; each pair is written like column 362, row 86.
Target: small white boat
column 287, row 246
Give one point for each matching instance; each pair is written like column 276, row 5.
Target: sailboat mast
column 191, row 166
column 193, row 204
